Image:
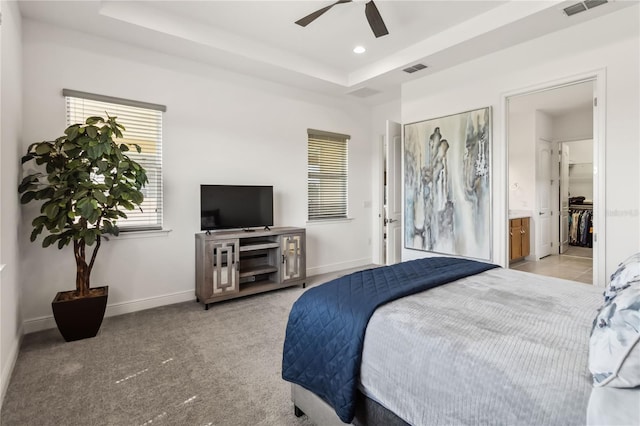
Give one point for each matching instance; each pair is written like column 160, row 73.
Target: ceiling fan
column 371, row 11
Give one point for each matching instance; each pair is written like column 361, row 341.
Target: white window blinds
column 327, row 175
column 143, row 126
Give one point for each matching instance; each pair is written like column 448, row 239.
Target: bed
column 495, row 347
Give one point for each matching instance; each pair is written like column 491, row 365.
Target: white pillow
column 628, row 272
column 614, row 347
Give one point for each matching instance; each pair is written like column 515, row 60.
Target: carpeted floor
column 173, row 365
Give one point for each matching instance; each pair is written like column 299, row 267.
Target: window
column 143, row 126
column 327, row 175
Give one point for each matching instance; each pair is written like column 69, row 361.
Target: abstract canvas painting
column 447, row 177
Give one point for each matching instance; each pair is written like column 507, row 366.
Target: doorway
column 549, row 186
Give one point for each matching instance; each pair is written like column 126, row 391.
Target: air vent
column 365, row 92
column 414, row 68
column 593, row 3
column 582, row 6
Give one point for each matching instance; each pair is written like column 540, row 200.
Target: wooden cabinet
column 232, row 264
column 519, row 238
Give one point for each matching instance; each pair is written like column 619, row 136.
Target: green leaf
column 81, row 193
column 62, row 221
column 74, row 152
column 94, row 151
column 102, row 166
column 51, row 211
column 72, row 131
column 49, row 239
column 137, row 148
column 85, row 209
column 90, row 237
column 27, row 197
column 39, row 221
column 68, row 146
column 43, row 148
column 99, row 195
column 36, row 231
column 94, row 120
column 45, row 194
column 124, row 147
column 136, row 197
column 27, row 158
column 28, row 181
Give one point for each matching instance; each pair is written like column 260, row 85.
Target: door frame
column 598, row 77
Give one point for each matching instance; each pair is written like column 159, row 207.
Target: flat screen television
column 235, row 206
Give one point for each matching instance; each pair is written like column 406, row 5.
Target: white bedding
column 502, row 347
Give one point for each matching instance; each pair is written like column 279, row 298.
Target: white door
column 393, row 196
column 564, row 198
column 543, row 195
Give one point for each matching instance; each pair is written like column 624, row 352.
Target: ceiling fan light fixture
column 370, row 10
column 359, row 50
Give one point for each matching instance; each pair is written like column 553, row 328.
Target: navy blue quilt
column 327, row 324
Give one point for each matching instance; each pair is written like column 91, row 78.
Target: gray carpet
column 173, row 365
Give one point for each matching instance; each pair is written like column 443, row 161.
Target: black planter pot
column 80, row 318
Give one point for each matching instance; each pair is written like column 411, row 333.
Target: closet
column 580, row 188
column 581, row 225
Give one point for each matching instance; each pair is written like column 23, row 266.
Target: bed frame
column 368, row 412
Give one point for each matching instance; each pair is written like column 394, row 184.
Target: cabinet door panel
column 293, row 257
column 222, row 267
column 516, row 242
column 526, row 238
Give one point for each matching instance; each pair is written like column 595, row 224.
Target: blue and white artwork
column 447, row 177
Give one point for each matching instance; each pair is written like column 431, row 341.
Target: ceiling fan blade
column 303, row 22
column 375, row 20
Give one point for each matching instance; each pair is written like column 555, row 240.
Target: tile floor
column 563, row 266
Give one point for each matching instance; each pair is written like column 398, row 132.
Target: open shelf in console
column 257, row 244
column 257, row 270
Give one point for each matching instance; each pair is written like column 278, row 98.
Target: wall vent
column 582, row 6
column 414, row 68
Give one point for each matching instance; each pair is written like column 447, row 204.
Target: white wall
column 581, row 168
column 10, row 151
column 578, row 50
column 575, row 125
column 219, row 128
column 522, row 171
column 580, row 151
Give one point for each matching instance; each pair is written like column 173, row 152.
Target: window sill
column 127, row 235
column 328, row 221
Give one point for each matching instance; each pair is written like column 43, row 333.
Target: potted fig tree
column 85, row 182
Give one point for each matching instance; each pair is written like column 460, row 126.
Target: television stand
column 231, row 264
column 249, row 230
column 266, row 228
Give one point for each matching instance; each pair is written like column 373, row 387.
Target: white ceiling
column 260, row 38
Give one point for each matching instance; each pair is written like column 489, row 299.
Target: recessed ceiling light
column 359, row 49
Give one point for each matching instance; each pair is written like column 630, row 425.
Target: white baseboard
column 7, row 369
column 47, row 322
column 338, row 266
